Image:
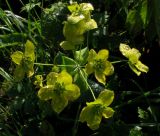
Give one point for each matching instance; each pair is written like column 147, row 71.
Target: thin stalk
column 75, row 127
column 8, row 5
column 119, row 61
column 87, row 84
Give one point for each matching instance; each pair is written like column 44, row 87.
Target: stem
column 119, row 61
column 87, row 84
column 42, row 64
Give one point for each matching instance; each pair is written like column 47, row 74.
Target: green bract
column 94, row 111
column 133, row 55
column 24, row 61
column 98, row 64
column 77, row 24
column 60, row 90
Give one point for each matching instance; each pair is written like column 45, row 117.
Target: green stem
column 87, row 84
column 119, row 61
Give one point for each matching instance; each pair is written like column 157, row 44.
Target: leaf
column 100, row 77
column 38, row 81
column 72, row 92
column 143, row 12
column 81, row 55
column 80, row 81
column 86, row 6
column 73, row 7
column 67, row 45
column 106, row 97
column 141, row 67
column 30, row 6
column 136, row 131
column 17, row 57
column 134, row 69
column 46, row 93
column 75, row 19
column 142, row 114
column 92, row 116
column 29, row 51
column 19, row 73
column 5, row 74
column 51, row 78
column 58, row 103
column 108, row 112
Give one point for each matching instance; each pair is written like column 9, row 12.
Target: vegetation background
column 137, row 98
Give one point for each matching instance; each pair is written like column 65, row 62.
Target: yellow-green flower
column 24, row 61
column 98, row 64
column 94, row 111
column 60, row 90
column 133, row 56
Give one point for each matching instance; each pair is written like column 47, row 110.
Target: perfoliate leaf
column 58, row 103
column 92, row 115
column 103, row 54
column 141, row 67
column 108, row 112
column 46, row 93
column 74, row 7
column 106, row 97
column 100, row 77
column 17, row 57
column 64, row 78
column 29, row 51
column 38, row 81
column 19, row 73
column 134, row 69
column 72, row 92
column 90, row 25
column 75, row 19
column 51, row 78
column 86, row 6
column 67, row 45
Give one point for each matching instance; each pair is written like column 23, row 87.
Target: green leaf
column 58, row 103
column 92, row 115
column 65, row 63
column 46, row 93
column 17, row 57
column 142, row 114
column 80, row 81
column 106, row 97
column 136, row 131
column 81, row 55
column 19, row 73
column 143, row 12
column 5, row 74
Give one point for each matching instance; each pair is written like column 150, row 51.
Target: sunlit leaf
column 100, row 77
column 29, row 51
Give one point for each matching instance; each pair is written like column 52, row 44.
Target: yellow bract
column 60, row 89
